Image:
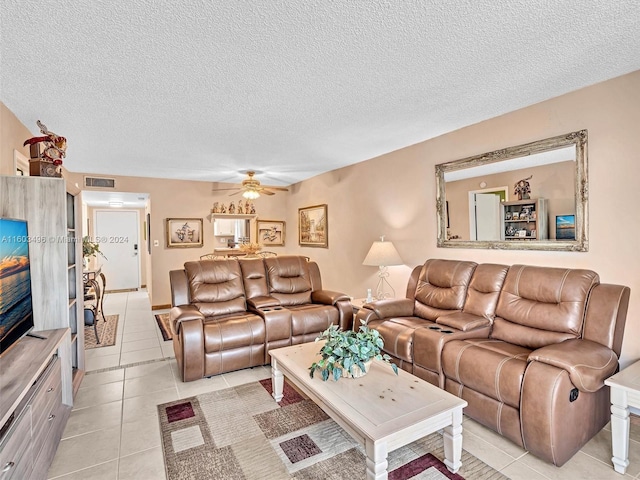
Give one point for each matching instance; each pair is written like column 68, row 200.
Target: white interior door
column 117, row 233
column 487, row 217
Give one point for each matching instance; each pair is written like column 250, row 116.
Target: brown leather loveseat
column 527, row 347
column 228, row 314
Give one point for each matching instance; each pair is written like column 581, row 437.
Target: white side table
column 625, row 393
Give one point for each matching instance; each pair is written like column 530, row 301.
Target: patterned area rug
column 163, row 325
column 242, row 433
column 106, row 331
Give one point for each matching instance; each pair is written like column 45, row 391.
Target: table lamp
column 382, row 254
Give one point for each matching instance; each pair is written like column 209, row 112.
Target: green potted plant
column 347, row 353
column 90, row 249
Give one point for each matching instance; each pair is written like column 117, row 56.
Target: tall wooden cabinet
column 53, row 214
column 524, row 220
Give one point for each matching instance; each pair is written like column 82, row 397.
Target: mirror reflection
column 230, row 233
column 529, row 197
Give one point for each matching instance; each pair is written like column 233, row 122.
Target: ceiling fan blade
column 280, row 189
column 267, row 192
column 235, row 193
column 224, row 189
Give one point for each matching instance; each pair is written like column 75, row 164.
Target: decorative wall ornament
column 271, row 232
column 184, row 232
column 313, row 226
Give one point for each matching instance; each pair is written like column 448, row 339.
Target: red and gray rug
column 242, row 433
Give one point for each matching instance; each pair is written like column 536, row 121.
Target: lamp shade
column 382, row 254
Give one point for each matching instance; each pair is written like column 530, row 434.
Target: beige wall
column 12, row 135
column 394, row 194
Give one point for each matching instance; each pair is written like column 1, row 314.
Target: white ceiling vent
column 101, row 182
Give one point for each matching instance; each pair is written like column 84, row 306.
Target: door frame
column 472, row 206
column 118, row 210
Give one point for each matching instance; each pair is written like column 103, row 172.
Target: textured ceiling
column 205, row 89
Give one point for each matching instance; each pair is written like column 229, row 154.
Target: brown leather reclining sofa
column 527, row 347
column 228, row 314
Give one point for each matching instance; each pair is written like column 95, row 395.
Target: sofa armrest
column 327, row 297
column 183, row 313
column 262, row 301
column 391, row 308
column 463, row 321
column 588, row 363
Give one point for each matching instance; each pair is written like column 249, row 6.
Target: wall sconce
column 383, row 254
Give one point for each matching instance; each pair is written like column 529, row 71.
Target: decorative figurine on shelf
column 47, row 153
column 253, row 209
column 216, row 208
column 223, row 209
column 523, row 189
column 240, row 208
column 246, row 207
column 232, row 208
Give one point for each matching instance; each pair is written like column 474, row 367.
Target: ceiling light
column 251, row 194
column 116, row 204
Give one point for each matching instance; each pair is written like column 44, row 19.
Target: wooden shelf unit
column 531, row 217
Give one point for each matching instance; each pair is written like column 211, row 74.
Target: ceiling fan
column 251, row 188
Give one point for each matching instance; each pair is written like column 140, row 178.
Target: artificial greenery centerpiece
column 90, row 249
column 346, row 351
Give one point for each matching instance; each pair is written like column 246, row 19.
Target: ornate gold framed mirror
column 526, row 197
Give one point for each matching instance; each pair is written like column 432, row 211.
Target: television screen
column 16, row 314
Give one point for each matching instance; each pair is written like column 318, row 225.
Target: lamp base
column 382, row 279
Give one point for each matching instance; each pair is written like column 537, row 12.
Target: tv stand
column 36, row 400
column 35, row 335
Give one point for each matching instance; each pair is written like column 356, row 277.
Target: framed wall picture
column 565, row 227
column 184, row 232
column 148, row 233
column 270, row 233
column 313, row 226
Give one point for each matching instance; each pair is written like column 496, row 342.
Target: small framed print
column 515, row 215
column 270, row 233
column 313, row 228
column 522, row 233
column 507, row 215
column 184, row 232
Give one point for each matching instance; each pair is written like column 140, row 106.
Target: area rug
column 163, row 324
column 106, row 331
column 242, row 433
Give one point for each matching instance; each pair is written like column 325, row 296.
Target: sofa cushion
column 491, row 367
column 312, row 318
column 397, row 334
column 441, row 287
column 289, row 279
column 542, row 305
column 229, row 332
column 215, row 287
column 484, row 290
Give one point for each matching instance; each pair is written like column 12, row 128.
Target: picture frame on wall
column 270, row 233
column 184, row 232
column 313, row 226
column 565, row 227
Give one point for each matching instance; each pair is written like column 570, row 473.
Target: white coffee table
column 380, row 410
column 625, row 393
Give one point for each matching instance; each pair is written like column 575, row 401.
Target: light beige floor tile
column 579, row 467
column 493, row 438
column 135, row 408
column 600, row 448
column 90, row 419
column 138, row 327
column 102, row 351
column 155, row 369
column 167, row 349
column 99, row 363
column 148, row 384
column 99, row 394
column 240, row 377
column 83, row 451
column 104, row 471
column 140, row 435
column 137, row 336
column 520, row 471
column 140, row 355
column 101, row 378
column 147, row 465
column 140, row 345
column 485, row 451
column 189, row 389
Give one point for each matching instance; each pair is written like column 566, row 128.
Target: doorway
column 117, row 233
column 484, row 213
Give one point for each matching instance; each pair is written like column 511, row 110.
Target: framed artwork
column 148, row 233
column 270, row 233
column 184, row 232
column 565, row 227
column 313, row 226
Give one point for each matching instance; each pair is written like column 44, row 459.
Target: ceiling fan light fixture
column 250, row 194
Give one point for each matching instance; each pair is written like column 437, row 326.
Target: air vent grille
column 100, row 182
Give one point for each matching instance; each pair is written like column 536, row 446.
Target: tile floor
column 113, row 432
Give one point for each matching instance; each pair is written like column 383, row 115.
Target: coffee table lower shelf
column 380, row 410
